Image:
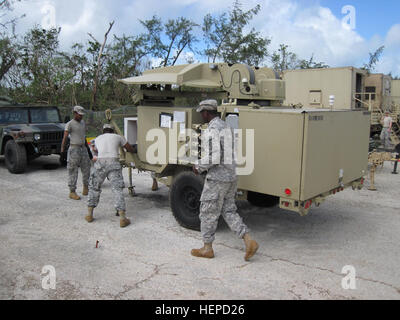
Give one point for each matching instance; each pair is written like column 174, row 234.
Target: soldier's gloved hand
column 63, row 156
column 134, row 146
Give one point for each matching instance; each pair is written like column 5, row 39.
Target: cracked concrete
column 299, row 257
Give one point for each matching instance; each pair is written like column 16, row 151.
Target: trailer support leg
column 131, row 187
column 395, row 164
column 372, row 177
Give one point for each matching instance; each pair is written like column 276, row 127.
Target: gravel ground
column 299, row 257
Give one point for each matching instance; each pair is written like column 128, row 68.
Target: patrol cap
column 108, row 126
column 79, row 110
column 210, row 105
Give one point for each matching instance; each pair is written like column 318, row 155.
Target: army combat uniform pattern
column 111, row 169
column 78, row 157
column 77, row 154
column 385, row 133
column 218, row 196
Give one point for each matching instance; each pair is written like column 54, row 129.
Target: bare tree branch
column 96, row 78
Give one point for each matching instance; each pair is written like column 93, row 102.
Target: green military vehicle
column 28, row 132
column 286, row 156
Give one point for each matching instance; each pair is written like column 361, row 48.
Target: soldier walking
column 107, row 165
column 218, row 196
column 77, row 152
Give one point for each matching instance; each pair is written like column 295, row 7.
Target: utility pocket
column 211, row 191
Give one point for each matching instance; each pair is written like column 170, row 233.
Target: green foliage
column 373, row 60
column 8, row 53
column 311, row 64
column 226, row 39
column 43, row 68
column 179, row 35
column 34, row 70
column 283, row 59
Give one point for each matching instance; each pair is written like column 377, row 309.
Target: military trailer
column 313, row 88
column 378, row 99
column 351, row 88
column 396, row 97
column 289, row 157
column 379, row 86
column 28, row 132
column 395, row 113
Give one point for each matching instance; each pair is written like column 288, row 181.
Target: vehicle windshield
column 44, row 115
column 13, row 116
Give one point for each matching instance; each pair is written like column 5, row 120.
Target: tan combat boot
column 85, row 190
column 74, row 196
column 155, row 185
column 251, row 247
column 205, row 252
column 89, row 218
column 124, row 221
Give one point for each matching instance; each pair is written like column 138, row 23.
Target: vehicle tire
column 262, row 200
column 15, row 157
column 184, row 198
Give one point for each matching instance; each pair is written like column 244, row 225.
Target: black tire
column 184, row 198
column 262, row 200
column 15, row 157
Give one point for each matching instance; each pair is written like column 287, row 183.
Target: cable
column 230, row 85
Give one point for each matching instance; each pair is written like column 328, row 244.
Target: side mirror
column 67, row 119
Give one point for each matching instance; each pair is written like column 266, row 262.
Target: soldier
column 77, row 153
column 386, row 130
column 218, row 196
column 107, row 165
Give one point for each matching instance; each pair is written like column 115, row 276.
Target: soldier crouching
column 107, row 165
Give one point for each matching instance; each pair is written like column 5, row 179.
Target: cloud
column 314, row 30
column 390, row 61
column 393, row 37
column 83, row 21
column 306, row 26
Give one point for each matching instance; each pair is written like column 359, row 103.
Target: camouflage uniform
column 218, row 196
column 111, row 169
column 385, row 138
column 78, row 157
column 385, row 133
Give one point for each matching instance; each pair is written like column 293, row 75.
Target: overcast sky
column 337, row 32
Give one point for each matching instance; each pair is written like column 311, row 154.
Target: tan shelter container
column 312, row 88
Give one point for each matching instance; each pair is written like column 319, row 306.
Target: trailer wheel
column 184, row 198
column 15, row 157
column 262, row 200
